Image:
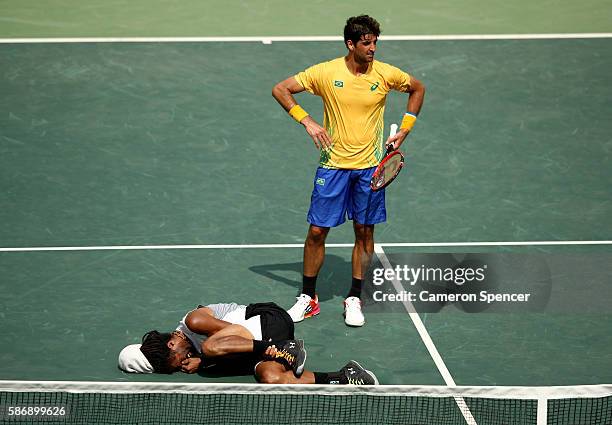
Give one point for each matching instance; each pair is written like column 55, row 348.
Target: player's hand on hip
column 396, row 140
column 319, row 135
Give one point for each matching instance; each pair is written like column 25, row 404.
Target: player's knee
column 364, row 232
column 266, row 375
column 317, row 234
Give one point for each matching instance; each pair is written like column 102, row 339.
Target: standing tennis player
column 354, row 89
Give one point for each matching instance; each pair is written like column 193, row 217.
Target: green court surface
column 130, row 144
column 138, row 18
column 182, row 143
column 84, row 317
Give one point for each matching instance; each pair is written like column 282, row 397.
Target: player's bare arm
column 416, row 96
column 203, row 321
column 283, row 93
column 232, row 339
column 223, row 337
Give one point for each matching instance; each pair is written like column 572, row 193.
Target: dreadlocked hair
column 155, row 348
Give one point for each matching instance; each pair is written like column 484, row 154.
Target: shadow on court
column 334, row 279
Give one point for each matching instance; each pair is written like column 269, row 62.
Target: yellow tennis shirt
column 354, row 107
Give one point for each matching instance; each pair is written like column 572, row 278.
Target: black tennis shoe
column 294, row 354
column 355, row 374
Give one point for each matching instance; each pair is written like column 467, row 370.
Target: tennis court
column 143, row 177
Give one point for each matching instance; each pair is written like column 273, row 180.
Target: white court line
column 426, row 338
column 271, row 39
column 295, row 245
column 542, row 411
column 158, row 247
column 499, row 243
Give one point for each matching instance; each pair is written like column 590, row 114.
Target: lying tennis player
column 235, row 339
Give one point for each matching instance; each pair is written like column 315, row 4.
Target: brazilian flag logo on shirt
column 338, row 83
column 374, row 86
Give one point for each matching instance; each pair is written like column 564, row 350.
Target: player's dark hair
column 358, row 26
column 155, row 348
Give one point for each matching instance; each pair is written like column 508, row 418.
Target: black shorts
column 276, row 324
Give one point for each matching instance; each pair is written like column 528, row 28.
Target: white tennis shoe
column 352, row 312
column 304, row 307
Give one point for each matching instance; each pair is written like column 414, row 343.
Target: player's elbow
column 198, row 322
column 191, row 321
column 418, row 87
column 423, row 89
column 278, row 90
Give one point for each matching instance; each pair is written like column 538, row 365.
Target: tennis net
column 67, row 402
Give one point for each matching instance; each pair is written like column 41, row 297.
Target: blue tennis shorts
column 338, row 194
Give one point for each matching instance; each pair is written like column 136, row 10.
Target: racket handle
column 393, row 131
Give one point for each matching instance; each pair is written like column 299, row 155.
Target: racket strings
column 390, row 169
column 387, row 171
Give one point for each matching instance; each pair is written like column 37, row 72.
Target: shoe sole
column 306, row 316
column 369, row 372
column 312, row 313
column 353, row 325
column 300, row 367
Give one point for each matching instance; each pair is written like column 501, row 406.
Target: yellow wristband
column 408, row 121
column 298, row 113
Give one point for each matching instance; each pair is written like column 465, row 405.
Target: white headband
column 131, row 359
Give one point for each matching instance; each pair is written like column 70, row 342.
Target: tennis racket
column 389, row 167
